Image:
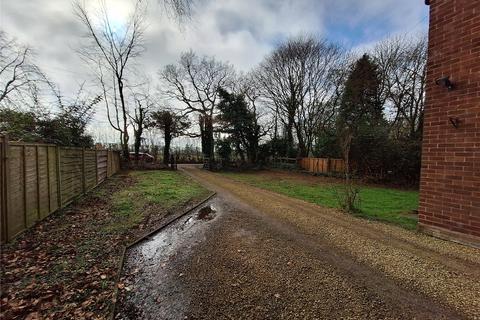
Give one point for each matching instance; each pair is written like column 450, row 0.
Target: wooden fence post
column 4, row 237
column 24, row 186
column 59, row 183
column 108, row 163
column 96, row 167
column 84, row 189
column 38, row 182
column 48, row 181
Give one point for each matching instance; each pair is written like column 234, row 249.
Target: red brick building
column 450, row 179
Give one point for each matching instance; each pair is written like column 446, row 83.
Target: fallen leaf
column 32, row 316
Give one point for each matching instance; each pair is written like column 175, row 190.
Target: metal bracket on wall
column 454, row 121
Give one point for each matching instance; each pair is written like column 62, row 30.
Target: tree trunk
column 138, row 142
column 166, row 148
column 209, row 137
column 240, row 151
column 252, row 150
column 302, row 149
column 201, row 123
column 290, row 136
column 126, row 153
column 138, row 133
column 275, row 135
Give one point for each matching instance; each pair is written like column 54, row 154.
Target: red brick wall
column 450, row 178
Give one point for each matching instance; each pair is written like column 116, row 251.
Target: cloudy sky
column 239, row 31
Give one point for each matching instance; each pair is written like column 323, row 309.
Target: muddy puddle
column 151, row 274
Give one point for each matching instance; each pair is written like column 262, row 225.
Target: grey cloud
column 240, row 31
column 231, row 22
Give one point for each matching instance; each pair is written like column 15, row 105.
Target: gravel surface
column 266, row 256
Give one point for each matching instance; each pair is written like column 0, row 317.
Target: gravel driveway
column 262, row 255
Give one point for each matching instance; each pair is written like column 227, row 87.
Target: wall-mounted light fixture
column 444, row 82
column 454, row 121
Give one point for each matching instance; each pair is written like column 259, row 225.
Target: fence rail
column 322, row 165
column 37, row 179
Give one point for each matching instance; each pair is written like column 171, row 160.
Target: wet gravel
column 261, row 255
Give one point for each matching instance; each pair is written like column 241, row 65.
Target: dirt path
column 267, row 256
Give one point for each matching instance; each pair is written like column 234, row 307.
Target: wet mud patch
column 152, row 281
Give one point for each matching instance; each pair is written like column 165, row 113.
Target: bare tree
column 348, row 193
column 179, row 9
column 247, row 85
column 110, row 96
column 18, row 73
column 319, row 99
column 171, row 125
column 338, row 76
column 194, row 82
column 112, row 51
column 297, row 79
column 279, row 85
column 402, row 64
column 139, row 119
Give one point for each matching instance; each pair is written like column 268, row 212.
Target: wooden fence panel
column 37, row 179
column 102, row 165
column 338, row 165
column 16, row 197
column 53, row 178
column 90, row 169
column 43, row 183
column 116, row 162
column 71, row 168
column 30, row 185
column 322, row 165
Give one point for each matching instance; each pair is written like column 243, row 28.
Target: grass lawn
column 164, row 189
column 378, row 203
column 65, row 267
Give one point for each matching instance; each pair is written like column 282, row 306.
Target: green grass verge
column 163, row 188
column 378, row 203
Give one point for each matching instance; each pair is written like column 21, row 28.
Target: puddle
column 183, row 232
column 206, row 213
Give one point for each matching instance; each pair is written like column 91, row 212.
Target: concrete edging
column 167, row 222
